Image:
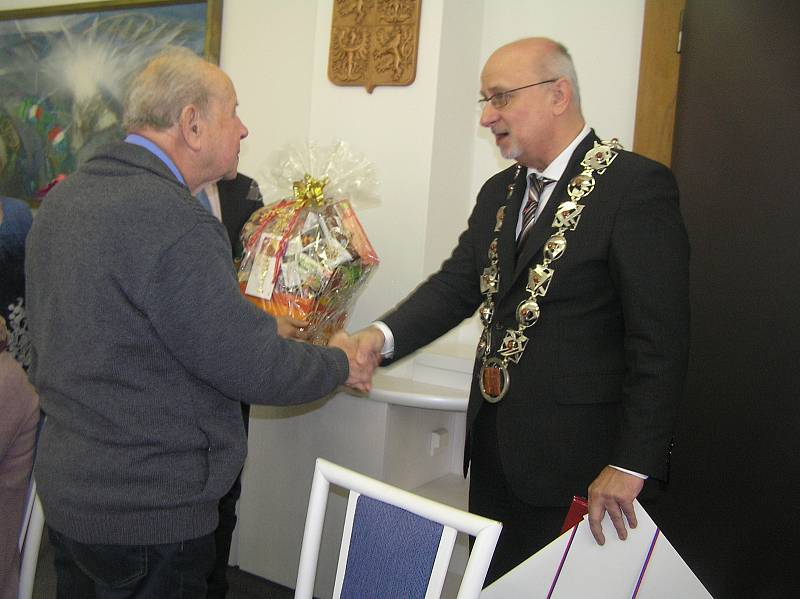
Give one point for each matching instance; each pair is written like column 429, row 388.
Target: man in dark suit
column 577, row 259
column 239, row 197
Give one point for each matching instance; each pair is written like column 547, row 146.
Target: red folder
column 577, row 510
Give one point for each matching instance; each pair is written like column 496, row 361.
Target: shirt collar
column 138, row 140
column 556, row 168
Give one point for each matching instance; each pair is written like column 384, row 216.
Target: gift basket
column 307, row 255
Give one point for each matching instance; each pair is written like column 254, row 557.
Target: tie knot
column 538, row 183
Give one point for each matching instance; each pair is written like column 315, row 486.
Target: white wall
column 267, row 49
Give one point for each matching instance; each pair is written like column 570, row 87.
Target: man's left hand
column 291, row 328
column 613, row 491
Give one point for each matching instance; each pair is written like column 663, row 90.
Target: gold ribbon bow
column 310, row 191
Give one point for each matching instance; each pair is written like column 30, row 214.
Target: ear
column 561, row 96
column 191, row 126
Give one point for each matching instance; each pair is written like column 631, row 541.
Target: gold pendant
column 489, row 280
column 494, row 380
column 513, row 345
column 555, row 247
column 539, row 280
column 580, row 185
column 528, row 312
column 501, row 213
column 567, row 215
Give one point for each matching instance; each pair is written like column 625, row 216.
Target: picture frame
column 63, row 74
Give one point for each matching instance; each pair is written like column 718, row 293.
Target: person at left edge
column 143, row 347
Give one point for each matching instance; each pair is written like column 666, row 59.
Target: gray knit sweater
column 143, row 347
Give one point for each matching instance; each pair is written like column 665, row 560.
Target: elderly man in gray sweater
column 143, row 346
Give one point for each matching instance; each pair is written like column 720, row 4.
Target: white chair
column 30, row 538
column 394, row 544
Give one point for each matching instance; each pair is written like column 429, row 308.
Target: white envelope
column 645, row 566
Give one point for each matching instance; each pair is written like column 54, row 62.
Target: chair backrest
column 30, row 538
column 394, row 544
column 30, row 534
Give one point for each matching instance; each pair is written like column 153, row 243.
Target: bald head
column 535, row 110
column 544, row 59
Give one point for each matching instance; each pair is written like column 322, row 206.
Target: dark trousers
column 218, row 579
column 526, row 528
column 169, row 571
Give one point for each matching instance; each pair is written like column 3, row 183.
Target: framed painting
column 63, row 75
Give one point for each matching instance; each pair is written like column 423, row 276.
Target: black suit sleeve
column 648, row 264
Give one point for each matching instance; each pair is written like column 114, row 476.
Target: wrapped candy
column 306, row 257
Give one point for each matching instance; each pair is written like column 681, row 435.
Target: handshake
column 363, row 349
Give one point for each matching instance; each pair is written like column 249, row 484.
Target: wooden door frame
column 658, row 79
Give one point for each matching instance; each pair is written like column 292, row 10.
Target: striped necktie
column 537, row 186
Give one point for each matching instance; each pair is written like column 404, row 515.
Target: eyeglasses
column 500, row 99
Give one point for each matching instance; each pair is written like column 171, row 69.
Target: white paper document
column 645, row 566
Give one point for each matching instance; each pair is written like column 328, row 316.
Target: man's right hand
column 370, row 344
column 361, row 369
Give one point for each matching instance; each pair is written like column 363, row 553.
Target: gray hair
column 558, row 63
column 173, row 79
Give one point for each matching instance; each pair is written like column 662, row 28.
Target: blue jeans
column 169, row 571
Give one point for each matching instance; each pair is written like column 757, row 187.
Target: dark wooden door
column 732, row 507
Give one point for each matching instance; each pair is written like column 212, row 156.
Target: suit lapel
column 542, row 229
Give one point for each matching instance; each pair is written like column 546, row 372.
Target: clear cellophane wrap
column 306, row 257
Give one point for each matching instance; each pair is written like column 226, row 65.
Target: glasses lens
column 499, row 100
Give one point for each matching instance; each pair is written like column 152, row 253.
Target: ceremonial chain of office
column 494, row 378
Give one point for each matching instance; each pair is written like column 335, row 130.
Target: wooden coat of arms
column 374, row 42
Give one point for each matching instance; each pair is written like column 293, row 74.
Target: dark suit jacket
column 238, row 199
column 604, row 368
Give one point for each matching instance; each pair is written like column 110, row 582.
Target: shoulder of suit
column 650, row 164
column 502, row 179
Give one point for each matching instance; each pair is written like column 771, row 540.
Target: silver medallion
column 501, row 213
column 484, row 344
column 579, row 186
column 567, row 215
column 489, row 280
column 539, row 279
column 513, row 345
column 555, row 247
column 528, row 312
column 486, row 311
column 600, row 156
column 493, row 249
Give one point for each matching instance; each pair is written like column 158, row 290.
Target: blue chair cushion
column 391, row 552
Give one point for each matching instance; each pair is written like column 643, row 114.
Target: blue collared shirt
column 133, row 138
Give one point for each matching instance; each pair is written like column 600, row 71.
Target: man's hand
column 613, row 491
column 291, row 328
column 360, row 369
column 370, row 343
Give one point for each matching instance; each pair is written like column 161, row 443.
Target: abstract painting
column 63, row 75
